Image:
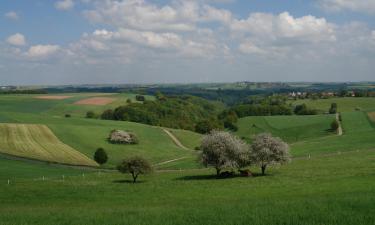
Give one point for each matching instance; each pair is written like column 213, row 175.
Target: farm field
column 344, row 104
column 38, row 142
column 323, row 190
column 289, row 128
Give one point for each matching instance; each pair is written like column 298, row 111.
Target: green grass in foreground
column 324, row 190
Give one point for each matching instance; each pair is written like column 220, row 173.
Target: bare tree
column 267, row 150
column 223, row 150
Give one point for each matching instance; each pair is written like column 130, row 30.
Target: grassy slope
column 323, row 190
column 38, row 142
column 358, row 135
column 344, row 104
column 289, row 128
column 86, row 135
column 188, row 138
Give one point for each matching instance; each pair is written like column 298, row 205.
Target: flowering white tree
column 223, row 150
column 267, row 150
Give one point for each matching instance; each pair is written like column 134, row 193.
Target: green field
column 86, row 135
column 323, row 190
column 330, row 180
column 38, row 142
column 344, row 104
column 289, row 128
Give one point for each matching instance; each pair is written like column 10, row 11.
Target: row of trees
column 222, row 150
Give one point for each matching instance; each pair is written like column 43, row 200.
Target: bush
column 140, row 98
column 90, row 115
column 135, row 166
column 206, row 126
column 107, row 115
column 333, row 109
column 334, row 125
column 303, row 110
column 68, row 115
column 122, row 137
column 100, row 156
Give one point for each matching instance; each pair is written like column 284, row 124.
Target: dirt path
column 174, row 139
column 339, row 130
column 169, row 161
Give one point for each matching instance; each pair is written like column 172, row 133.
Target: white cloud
column 285, row 26
column 42, row 51
column 64, row 5
column 367, row 6
column 17, row 39
column 11, row 15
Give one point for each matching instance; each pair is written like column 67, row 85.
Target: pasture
column 322, row 190
column 289, row 128
column 344, row 104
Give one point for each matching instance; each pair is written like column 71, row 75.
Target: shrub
column 68, row 115
column 333, row 109
column 334, row 125
column 100, row 156
column 122, row 137
column 135, row 166
column 140, row 98
column 90, row 115
column 206, row 126
column 107, row 115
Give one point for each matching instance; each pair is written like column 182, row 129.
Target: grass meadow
column 322, row 190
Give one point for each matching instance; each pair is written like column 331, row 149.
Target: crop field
column 38, row 142
column 289, row 128
column 322, row 190
column 344, row 104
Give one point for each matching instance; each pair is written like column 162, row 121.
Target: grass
column 371, row 116
column 322, row 190
column 289, row 128
column 86, row 135
column 38, row 142
column 344, row 104
column 189, row 139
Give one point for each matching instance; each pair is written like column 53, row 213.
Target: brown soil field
column 53, row 97
column 95, row 101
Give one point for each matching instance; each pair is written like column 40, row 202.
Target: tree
column 140, row 98
column 100, row 156
column 107, row 115
column 135, row 166
column 206, row 126
column 335, row 125
column 267, row 150
column 333, row 109
column 90, row 114
column 223, row 150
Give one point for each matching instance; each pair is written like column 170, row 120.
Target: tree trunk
column 218, row 171
column 135, row 176
column 264, row 169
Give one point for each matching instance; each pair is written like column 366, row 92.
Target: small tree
column 135, row 166
column 267, row 150
column 90, row 114
column 107, row 115
column 100, row 156
column 334, row 125
column 222, row 150
column 333, row 109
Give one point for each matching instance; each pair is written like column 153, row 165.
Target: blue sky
column 165, row 41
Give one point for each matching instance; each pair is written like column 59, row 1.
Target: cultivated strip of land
column 95, row 101
column 38, row 142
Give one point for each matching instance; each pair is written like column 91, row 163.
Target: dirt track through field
column 175, row 140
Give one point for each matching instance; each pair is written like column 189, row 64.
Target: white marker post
column 8, row 181
column 43, row 178
column 63, row 176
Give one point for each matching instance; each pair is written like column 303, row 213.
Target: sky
column 53, row 42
